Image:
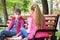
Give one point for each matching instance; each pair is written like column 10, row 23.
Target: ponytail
column 38, row 17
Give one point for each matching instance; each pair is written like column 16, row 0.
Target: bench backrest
column 50, row 21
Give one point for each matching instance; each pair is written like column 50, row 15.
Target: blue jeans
column 23, row 32
column 1, row 38
column 10, row 34
column 7, row 33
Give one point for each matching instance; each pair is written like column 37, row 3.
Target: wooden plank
column 25, row 17
column 25, row 21
column 50, row 23
column 26, row 26
column 8, row 21
column 51, row 15
column 50, row 26
column 50, row 18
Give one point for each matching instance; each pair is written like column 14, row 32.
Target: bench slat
column 50, row 23
column 50, row 18
column 51, row 15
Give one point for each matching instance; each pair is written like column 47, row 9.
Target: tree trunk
column 45, row 6
column 4, row 11
column 57, row 7
column 14, row 6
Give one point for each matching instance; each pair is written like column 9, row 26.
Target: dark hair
column 17, row 10
column 33, row 7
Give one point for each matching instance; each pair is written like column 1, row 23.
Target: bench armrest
column 47, row 30
column 3, row 25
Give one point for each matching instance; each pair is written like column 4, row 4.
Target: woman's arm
column 8, row 28
column 22, row 23
column 29, row 24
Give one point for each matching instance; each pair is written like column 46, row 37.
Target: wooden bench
column 51, row 23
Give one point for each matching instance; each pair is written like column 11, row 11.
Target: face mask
column 17, row 16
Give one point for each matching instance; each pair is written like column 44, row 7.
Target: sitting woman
column 15, row 27
column 36, row 21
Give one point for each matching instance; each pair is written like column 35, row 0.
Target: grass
column 1, row 28
column 58, row 33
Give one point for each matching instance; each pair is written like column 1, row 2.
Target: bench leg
column 47, row 38
column 59, row 38
column 53, row 38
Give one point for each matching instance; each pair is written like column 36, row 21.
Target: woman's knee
column 22, row 29
column 24, row 32
column 3, row 31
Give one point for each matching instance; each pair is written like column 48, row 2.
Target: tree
column 4, row 11
column 0, row 5
column 25, row 5
column 45, row 6
column 38, row 1
column 22, row 4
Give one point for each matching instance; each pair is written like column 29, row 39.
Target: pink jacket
column 32, row 28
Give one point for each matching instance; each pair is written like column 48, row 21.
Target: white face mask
column 17, row 16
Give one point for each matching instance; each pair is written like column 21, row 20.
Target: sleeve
column 29, row 24
column 22, row 23
column 8, row 28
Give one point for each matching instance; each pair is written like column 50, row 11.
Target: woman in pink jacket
column 36, row 21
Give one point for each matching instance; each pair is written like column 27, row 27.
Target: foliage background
column 22, row 4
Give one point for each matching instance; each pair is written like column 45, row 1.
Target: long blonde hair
column 38, row 16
